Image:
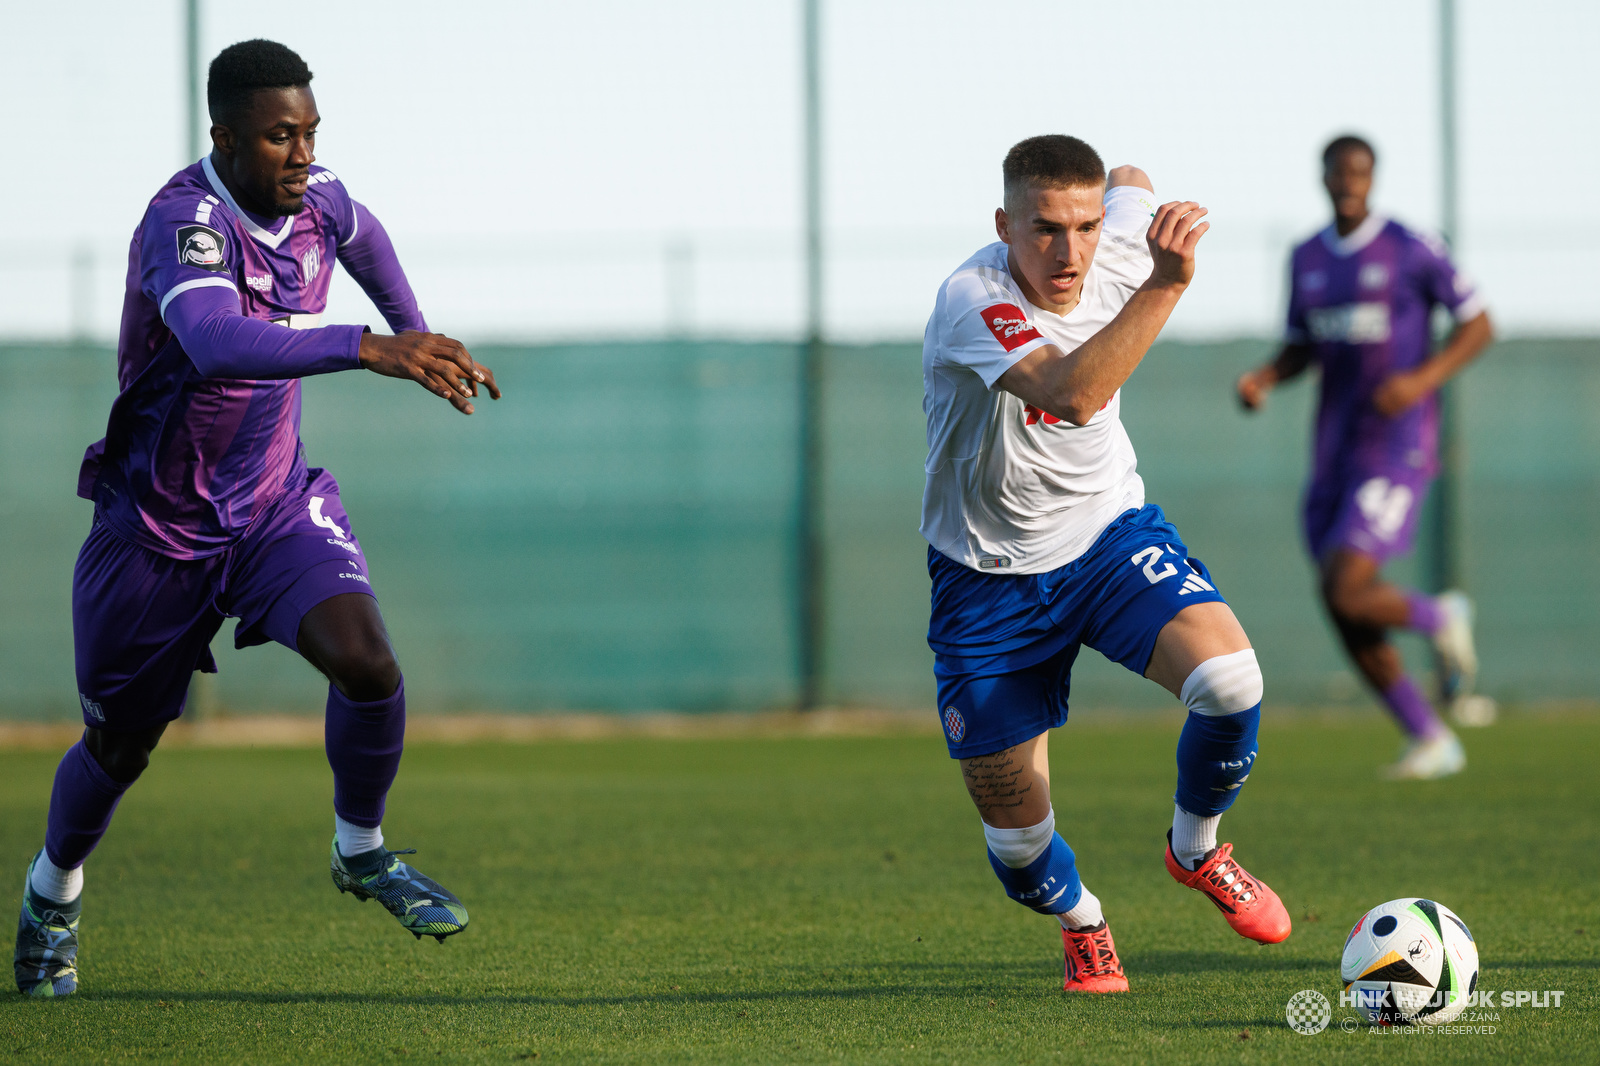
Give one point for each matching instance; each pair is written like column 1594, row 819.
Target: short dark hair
column 240, row 70
column 1344, row 143
column 1052, row 161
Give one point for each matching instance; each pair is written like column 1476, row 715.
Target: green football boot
column 46, row 961
column 418, row 902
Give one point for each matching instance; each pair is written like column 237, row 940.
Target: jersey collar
column 261, row 234
column 1359, row 237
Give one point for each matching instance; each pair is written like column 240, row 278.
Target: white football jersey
column 1009, row 488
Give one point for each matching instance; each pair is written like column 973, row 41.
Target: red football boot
column 1092, row 963
column 1253, row 909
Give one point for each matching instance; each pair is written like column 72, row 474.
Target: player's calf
column 1039, row 871
column 1215, row 755
column 1217, row 747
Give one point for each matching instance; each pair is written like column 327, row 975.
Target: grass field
column 809, row 900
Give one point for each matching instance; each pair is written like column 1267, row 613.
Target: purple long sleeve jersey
column 1362, row 303
column 205, row 432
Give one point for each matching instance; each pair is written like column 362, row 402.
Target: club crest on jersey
column 310, row 263
column 202, row 246
column 955, row 726
column 1009, row 326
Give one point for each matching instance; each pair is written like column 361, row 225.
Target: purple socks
column 81, row 805
column 364, row 741
column 1412, row 709
column 1425, row 615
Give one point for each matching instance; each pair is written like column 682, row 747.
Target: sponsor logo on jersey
column 262, row 285
column 1358, row 323
column 955, row 726
column 1009, row 326
column 202, row 246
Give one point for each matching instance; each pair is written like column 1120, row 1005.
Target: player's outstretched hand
column 1174, row 234
column 434, row 361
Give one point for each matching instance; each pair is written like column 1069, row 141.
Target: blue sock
column 1048, row 884
column 1215, row 753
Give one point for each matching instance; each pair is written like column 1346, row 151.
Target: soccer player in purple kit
column 1363, row 293
column 205, row 508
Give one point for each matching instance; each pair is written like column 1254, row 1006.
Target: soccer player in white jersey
column 1040, row 539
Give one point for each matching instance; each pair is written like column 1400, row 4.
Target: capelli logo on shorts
column 955, row 726
column 91, row 708
column 357, row 577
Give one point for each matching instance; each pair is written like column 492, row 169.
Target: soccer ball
column 1410, row 961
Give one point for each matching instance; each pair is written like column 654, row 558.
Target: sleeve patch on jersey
column 202, row 246
column 1009, row 326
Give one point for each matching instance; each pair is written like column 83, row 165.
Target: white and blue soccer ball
column 1410, row 962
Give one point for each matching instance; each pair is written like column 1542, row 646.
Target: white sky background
column 628, row 167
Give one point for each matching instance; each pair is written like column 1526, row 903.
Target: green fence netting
column 618, row 533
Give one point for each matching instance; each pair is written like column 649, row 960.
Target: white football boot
column 1454, row 651
column 1428, row 760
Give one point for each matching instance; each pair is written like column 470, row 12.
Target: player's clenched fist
column 436, row 362
column 1174, row 233
column 1253, row 388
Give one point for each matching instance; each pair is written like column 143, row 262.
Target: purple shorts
column 1366, row 511
column 142, row 622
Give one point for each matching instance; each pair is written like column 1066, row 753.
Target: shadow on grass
column 1180, row 962
column 960, row 981
column 490, row 999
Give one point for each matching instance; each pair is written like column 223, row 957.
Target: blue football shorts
column 1004, row 644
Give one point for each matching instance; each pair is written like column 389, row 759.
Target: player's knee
column 1343, row 597
column 123, row 756
column 369, row 678
column 364, row 670
column 1217, row 747
column 1224, row 685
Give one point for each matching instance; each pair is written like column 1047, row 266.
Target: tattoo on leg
column 997, row 782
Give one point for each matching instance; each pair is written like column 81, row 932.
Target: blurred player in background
column 1361, row 303
column 1040, row 540
column 205, row 507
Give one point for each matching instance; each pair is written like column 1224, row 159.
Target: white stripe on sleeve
column 197, row 283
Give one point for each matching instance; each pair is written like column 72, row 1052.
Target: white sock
column 355, row 839
column 1018, row 847
column 1085, row 914
column 54, row 883
column 1192, row 836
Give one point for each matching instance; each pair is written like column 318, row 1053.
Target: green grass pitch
column 807, row 900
